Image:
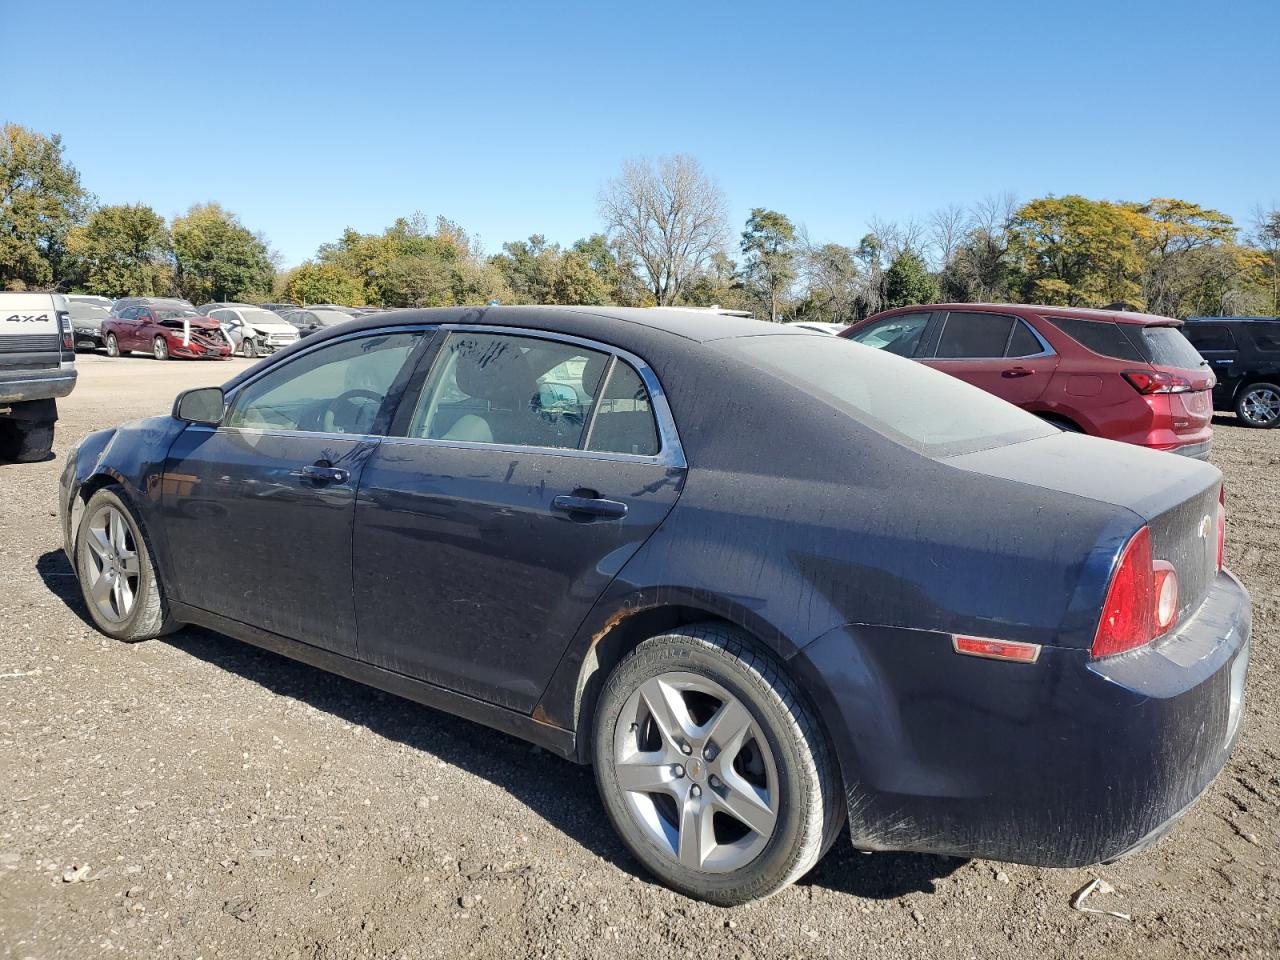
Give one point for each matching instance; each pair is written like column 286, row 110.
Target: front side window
column 944, row 417
column 338, row 388
column 898, row 335
column 974, row 336
column 499, row 388
column 1266, row 335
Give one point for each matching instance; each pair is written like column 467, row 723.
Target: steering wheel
column 352, row 419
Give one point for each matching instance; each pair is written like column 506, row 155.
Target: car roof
column 617, row 325
column 1073, row 313
column 1233, row 319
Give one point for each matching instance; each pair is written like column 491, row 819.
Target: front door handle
column 316, row 471
column 592, row 506
column 1014, row 372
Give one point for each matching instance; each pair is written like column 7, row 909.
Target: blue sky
column 305, row 118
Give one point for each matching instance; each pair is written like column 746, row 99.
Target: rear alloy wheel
column 113, row 345
column 1258, row 405
column 249, row 347
column 160, row 347
column 117, row 579
column 712, row 770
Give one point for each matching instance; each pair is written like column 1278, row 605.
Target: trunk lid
column 30, row 331
column 1176, row 497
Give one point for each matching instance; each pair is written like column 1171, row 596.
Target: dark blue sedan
column 766, row 581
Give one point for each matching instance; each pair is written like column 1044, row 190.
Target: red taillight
column 1222, row 525
column 1142, row 600
column 1156, row 381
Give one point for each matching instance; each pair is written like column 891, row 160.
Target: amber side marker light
column 996, row 649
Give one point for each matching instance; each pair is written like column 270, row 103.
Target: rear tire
column 1258, row 405
column 713, row 770
column 117, row 576
column 160, row 348
column 25, row 441
column 113, row 346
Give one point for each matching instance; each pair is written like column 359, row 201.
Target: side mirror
column 205, row 405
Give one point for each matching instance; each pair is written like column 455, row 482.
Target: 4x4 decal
column 27, row 318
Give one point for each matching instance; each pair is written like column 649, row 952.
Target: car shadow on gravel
column 561, row 792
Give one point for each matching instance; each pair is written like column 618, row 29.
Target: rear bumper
column 1197, row 451
column 1065, row 762
column 21, row 386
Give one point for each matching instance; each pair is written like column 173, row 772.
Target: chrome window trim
column 1046, row 349
column 670, row 452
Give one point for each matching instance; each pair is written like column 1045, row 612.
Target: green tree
column 123, row 251
column 410, row 264
column 1075, row 252
column 574, row 282
column 40, row 201
column 217, row 258
column 529, row 268
column 908, row 281
column 323, row 283
column 769, row 249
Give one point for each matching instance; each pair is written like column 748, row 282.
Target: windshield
column 1167, row 347
column 921, row 408
column 261, row 318
column 80, row 310
column 177, row 315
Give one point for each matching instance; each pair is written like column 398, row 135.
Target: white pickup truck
column 37, row 365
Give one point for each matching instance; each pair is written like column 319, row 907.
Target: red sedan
column 166, row 331
column 1124, row 376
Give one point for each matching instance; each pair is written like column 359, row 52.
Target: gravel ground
column 197, row 797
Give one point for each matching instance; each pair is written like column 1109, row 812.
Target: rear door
column 524, row 469
column 999, row 353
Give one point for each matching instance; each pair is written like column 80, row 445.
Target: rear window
column 1167, row 347
column 974, row 336
column 921, row 408
column 1103, row 337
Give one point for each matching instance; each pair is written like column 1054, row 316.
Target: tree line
column 664, row 239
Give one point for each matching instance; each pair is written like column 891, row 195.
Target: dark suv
column 1245, row 354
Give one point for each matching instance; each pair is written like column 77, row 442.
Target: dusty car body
column 972, row 608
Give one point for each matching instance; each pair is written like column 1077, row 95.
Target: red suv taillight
column 1156, row 381
column 1142, row 600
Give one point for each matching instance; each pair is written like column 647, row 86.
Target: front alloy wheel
column 117, row 579
column 712, row 769
column 1259, row 405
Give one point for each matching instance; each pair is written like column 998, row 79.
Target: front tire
column 714, row 772
column 116, row 573
column 1258, row 405
column 249, row 348
column 160, row 348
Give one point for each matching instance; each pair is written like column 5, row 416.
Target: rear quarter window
column 1103, row 337
column 1209, row 336
column 1266, row 336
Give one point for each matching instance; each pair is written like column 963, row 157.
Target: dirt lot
column 196, row 797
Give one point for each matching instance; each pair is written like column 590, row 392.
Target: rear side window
column 945, row 416
column 624, row 417
column 1266, row 336
column 1023, row 343
column 1103, row 337
column 1167, row 347
column 1209, row 336
column 974, row 336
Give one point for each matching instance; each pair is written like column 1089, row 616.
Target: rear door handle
column 593, row 506
column 315, row 471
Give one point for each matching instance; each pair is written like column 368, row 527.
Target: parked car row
column 767, row 582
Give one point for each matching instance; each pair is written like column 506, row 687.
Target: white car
column 37, row 365
column 253, row 331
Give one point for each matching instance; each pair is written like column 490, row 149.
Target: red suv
column 1125, row 376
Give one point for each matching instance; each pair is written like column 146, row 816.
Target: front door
column 520, row 477
column 258, row 511
column 997, row 352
